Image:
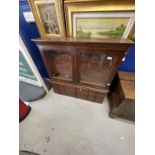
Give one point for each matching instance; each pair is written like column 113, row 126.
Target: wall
column 29, row 31
column 129, row 63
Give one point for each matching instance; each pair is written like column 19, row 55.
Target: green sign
column 24, row 68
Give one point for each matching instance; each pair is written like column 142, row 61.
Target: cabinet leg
column 112, row 115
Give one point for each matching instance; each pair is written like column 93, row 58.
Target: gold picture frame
column 49, row 17
column 95, row 6
column 105, row 25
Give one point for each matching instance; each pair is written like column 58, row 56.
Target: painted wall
column 29, row 31
column 129, row 63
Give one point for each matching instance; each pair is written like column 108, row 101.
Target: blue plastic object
column 129, row 64
column 27, row 32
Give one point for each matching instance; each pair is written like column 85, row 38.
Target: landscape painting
column 106, row 27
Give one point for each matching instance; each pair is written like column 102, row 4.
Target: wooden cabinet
column 122, row 96
column 82, row 68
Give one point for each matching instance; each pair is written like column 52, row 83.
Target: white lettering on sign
column 21, row 64
column 22, row 69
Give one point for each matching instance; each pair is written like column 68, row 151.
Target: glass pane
column 95, row 68
column 60, row 64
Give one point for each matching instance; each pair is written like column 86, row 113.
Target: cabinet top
column 81, row 42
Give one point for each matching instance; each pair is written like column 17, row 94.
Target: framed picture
column 49, row 17
column 103, row 24
column 115, row 19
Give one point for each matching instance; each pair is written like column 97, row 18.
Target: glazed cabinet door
column 96, row 67
column 59, row 64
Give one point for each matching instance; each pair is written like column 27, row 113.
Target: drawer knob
column 109, row 58
column 66, row 76
column 80, row 89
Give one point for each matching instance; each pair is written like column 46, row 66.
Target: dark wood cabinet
column 122, row 96
column 82, row 68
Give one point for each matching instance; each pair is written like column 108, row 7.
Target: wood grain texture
column 128, row 88
column 122, row 96
column 79, row 92
column 82, row 68
column 126, row 76
column 112, row 44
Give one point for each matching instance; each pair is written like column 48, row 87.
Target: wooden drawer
column 91, row 96
column 69, row 91
column 64, row 90
column 79, row 92
column 56, row 88
column 99, row 97
column 88, row 94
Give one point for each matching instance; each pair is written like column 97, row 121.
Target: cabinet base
column 80, row 92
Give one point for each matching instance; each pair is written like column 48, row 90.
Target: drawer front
column 79, row 92
column 61, row 89
column 64, row 90
column 91, row 96
column 99, row 97
column 95, row 96
column 56, row 88
column 69, row 91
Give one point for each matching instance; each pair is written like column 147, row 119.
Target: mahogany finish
column 122, row 96
column 82, row 68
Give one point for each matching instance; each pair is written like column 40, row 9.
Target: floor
column 61, row 125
